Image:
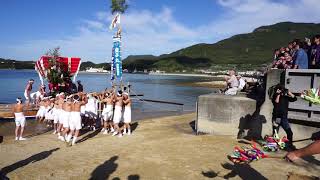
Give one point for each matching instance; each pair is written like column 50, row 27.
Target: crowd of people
column 35, row 97
column 68, row 113
column 298, row 55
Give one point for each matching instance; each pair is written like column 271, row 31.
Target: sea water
column 153, row 87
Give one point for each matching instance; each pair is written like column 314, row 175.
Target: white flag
column 115, row 22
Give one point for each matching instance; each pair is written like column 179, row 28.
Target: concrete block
column 221, row 114
column 238, row 115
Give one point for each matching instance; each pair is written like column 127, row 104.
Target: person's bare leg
column 65, row 131
column 17, row 132
column 59, row 129
column 69, row 135
column 108, row 125
column 116, row 129
column 309, row 150
column 21, row 131
column 76, row 134
column 105, row 123
column 120, row 130
column 55, row 128
column 111, row 126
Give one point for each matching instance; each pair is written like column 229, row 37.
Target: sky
column 29, row 28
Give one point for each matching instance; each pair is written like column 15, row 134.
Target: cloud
column 242, row 16
column 146, row 32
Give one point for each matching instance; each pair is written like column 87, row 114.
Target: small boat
column 6, row 111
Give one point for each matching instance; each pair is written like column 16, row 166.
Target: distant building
column 95, row 70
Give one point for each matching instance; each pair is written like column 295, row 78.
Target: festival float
column 58, row 72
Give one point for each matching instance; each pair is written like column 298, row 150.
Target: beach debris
column 311, row 95
column 246, row 154
column 274, row 143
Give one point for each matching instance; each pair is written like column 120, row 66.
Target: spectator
column 276, row 54
column 232, row 82
column 315, row 53
column 242, row 83
column 301, row 57
column 287, row 60
column 291, row 49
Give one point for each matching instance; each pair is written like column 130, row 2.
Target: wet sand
column 7, row 126
column 160, row 148
column 32, row 128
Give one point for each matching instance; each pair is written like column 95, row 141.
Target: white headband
column 18, row 101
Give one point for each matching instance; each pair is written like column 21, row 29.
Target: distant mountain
column 139, row 57
column 15, row 64
column 87, row 64
column 252, row 48
column 242, row 51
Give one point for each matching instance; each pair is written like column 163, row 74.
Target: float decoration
column 57, row 70
column 311, row 95
column 246, row 154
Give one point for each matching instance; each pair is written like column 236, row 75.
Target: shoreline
column 205, row 84
column 155, row 74
column 182, row 74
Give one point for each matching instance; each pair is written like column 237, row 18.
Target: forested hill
column 15, row 64
column 243, row 51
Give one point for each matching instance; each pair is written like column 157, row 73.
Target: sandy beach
column 161, row 148
column 206, row 84
column 182, row 74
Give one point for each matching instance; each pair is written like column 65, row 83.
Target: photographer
column 280, row 101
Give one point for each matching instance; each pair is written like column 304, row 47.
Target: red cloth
column 69, row 64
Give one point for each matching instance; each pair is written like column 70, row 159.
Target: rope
column 137, row 97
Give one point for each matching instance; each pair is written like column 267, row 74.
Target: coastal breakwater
column 240, row 116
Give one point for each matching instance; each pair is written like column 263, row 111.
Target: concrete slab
column 226, row 112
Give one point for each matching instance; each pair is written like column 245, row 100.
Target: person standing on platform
column 27, row 91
